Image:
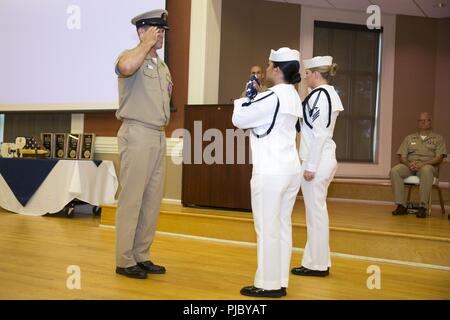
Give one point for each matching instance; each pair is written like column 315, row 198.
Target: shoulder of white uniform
column 316, row 95
column 263, row 96
column 240, row 101
column 335, row 100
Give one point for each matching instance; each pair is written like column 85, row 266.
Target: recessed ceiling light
column 440, row 5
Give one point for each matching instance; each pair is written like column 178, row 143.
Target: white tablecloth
column 69, row 179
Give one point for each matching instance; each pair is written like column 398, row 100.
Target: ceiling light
column 440, row 5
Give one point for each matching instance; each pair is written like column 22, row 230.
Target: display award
column 87, row 146
column 48, row 143
column 73, row 146
column 60, row 145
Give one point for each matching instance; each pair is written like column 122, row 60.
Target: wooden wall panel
column 441, row 112
column 177, row 46
column 102, row 123
column 414, row 80
column 422, row 79
column 250, row 29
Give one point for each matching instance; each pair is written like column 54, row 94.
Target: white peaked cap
column 284, row 54
column 317, row 62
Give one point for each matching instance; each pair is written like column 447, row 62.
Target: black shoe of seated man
column 400, row 211
column 252, row 291
column 152, row 268
column 134, row 272
column 302, row 271
column 421, row 213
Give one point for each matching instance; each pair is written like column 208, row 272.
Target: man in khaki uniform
column 420, row 154
column 145, row 88
column 258, row 72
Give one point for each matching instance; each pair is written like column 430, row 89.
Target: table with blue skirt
column 39, row 186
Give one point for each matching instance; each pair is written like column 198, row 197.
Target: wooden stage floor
column 361, row 216
column 35, row 253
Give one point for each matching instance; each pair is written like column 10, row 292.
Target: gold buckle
column 162, row 128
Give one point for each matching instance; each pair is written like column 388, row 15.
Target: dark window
column 357, row 51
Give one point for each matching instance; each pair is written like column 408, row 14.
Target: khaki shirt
column 416, row 149
column 145, row 95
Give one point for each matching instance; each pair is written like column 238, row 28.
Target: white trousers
column 317, row 250
column 273, row 198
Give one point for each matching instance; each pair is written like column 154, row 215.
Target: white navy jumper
column 318, row 155
column 275, row 179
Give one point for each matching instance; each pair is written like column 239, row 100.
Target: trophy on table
column 60, row 145
column 87, row 146
column 73, row 146
column 48, row 143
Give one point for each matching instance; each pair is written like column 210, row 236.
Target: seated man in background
column 258, row 72
column 420, row 154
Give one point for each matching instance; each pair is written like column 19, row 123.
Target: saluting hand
column 150, row 36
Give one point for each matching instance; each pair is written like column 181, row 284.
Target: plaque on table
column 48, row 143
column 73, row 144
column 60, row 145
column 87, row 146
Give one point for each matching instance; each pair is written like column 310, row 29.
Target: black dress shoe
column 400, row 211
column 421, row 213
column 252, row 291
column 132, row 272
column 283, row 291
column 150, row 267
column 302, row 271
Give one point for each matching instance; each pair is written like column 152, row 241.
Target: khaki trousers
column 425, row 174
column 142, row 166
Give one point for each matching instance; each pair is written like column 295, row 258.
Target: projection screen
column 59, row 54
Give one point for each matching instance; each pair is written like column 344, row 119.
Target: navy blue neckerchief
column 305, row 104
column 246, row 104
column 25, row 176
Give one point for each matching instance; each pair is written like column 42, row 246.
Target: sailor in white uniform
column 318, row 157
column 276, row 176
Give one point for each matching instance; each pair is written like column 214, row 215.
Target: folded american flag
column 251, row 91
column 31, row 143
